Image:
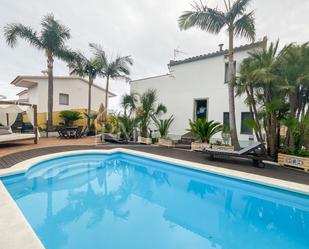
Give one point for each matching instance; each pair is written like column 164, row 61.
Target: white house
column 196, row 88
column 70, row 93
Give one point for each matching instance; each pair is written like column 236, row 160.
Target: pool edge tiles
column 22, row 167
column 15, row 230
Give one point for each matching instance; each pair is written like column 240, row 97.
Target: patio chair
column 111, row 139
column 62, row 132
column 249, row 152
column 80, row 131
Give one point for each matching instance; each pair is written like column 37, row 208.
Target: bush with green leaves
column 295, row 152
column 70, row 116
column 204, row 129
column 163, row 125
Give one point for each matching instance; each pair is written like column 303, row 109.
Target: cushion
column 4, row 131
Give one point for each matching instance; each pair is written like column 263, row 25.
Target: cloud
column 145, row 29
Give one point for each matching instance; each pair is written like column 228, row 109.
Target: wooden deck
column 15, row 154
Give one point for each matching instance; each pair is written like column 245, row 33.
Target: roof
column 29, row 79
column 151, row 77
column 219, row 53
column 22, row 92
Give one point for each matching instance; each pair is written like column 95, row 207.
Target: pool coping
column 32, row 241
column 15, row 230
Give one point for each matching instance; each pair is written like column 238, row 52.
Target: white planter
column 144, row 140
column 198, row 146
column 223, row 147
column 294, row 161
column 165, row 142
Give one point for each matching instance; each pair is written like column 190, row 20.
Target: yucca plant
column 163, row 125
column 204, row 129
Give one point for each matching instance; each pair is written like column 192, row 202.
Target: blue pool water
column 122, row 201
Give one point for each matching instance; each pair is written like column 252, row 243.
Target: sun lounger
column 13, row 137
column 247, row 152
column 111, row 139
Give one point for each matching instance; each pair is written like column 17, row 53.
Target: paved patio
column 13, row 155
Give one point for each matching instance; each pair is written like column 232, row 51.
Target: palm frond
column 54, row 34
column 237, row 8
column 14, row 30
column 244, row 26
column 211, row 20
column 65, row 54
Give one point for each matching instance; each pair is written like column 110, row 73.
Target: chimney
column 221, row 47
column 44, row 72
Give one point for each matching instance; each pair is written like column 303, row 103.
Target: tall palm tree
column 51, row 40
column 117, row 69
column 263, row 85
column 238, row 23
column 84, row 67
column 148, row 109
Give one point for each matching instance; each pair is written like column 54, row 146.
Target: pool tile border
column 13, row 222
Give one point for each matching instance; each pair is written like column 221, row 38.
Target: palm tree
column 261, row 81
column 117, row 69
column 148, row 109
column 51, row 40
column 238, row 23
column 129, row 103
column 84, row 67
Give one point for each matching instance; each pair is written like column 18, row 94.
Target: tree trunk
column 50, row 101
column 231, row 76
column 89, row 102
column 106, row 94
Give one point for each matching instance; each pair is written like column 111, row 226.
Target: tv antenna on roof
column 178, row 52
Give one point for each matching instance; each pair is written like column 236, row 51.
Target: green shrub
column 163, row 125
column 204, row 130
column 295, row 152
column 70, row 116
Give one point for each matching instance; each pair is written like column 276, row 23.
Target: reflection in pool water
column 123, row 201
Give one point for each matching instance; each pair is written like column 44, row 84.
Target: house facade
column 197, row 87
column 70, row 93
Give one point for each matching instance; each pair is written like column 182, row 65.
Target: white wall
column 199, row 79
column 77, row 90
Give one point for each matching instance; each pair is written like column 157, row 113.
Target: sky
column 145, row 29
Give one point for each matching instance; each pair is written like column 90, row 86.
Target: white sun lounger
column 13, row 137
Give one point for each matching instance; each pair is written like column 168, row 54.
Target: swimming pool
column 124, row 201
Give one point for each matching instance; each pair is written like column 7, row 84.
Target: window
column 63, row 99
column 200, row 109
column 245, row 129
column 226, row 120
column 226, row 71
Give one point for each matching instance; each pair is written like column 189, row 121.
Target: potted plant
column 163, row 127
column 204, row 130
column 145, row 113
column 91, row 129
column 69, row 117
column 294, row 157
